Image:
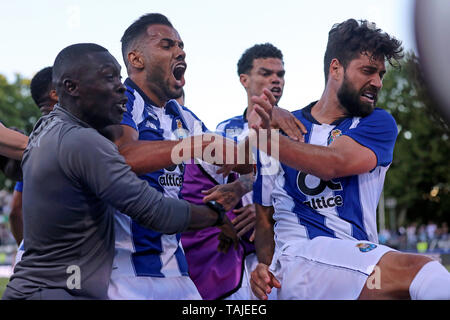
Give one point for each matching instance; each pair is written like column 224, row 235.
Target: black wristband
column 217, row 207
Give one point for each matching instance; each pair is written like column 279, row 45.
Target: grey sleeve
column 93, row 161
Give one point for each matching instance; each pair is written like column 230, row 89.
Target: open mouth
column 276, row 91
column 369, row 96
column 178, row 73
column 122, row 105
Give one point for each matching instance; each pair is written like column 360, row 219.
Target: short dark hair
column 138, row 28
column 40, row 85
column 350, row 38
column 265, row 50
column 67, row 59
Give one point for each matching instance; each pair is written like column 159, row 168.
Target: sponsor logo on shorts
column 366, row 247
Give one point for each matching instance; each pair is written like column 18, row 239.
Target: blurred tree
column 17, row 109
column 419, row 175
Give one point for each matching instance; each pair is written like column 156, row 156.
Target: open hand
column 286, row 121
column 262, row 281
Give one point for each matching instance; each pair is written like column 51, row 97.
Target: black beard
column 350, row 100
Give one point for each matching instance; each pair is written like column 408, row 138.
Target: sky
column 215, row 34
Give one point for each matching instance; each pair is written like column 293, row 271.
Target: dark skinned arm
column 12, row 143
column 262, row 280
column 15, row 217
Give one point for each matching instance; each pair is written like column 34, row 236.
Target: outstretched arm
column 12, row 143
column 148, row 156
column 343, row 157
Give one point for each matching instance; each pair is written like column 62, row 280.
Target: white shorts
column 152, row 288
column 325, row 268
column 19, row 254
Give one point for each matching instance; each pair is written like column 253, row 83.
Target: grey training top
column 75, row 181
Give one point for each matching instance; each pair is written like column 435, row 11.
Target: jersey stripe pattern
column 345, row 208
column 140, row 251
column 236, row 128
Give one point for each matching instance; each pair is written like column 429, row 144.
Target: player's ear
column 71, row 87
column 135, row 59
column 336, row 70
column 53, row 96
column 244, row 79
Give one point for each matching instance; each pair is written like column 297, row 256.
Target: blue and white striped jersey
column 306, row 206
column 140, row 251
column 234, row 128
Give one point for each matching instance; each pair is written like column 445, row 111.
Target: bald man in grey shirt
column 85, row 180
column 76, row 180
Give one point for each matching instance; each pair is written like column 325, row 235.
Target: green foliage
column 3, row 283
column 419, row 175
column 17, row 109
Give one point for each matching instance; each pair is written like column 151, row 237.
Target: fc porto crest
column 333, row 135
column 179, row 124
column 180, row 132
column 366, row 247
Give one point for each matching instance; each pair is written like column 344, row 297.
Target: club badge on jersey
column 366, row 247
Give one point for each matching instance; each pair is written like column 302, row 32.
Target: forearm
column 264, row 234
column 148, row 156
column 16, row 225
column 12, row 143
column 322, row 162
column 162, row 214
column 201, row 217
column 15, row 217
column 245, row 182
column 316, row 160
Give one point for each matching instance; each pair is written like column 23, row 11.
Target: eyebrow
column 109, row 65
column 372, row 68
column 173, row 42
column 270, row 70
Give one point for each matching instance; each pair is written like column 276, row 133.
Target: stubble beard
column 163, row 89
column 350, row 100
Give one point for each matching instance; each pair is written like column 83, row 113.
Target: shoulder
column 305, row 112
column 135, row 103
column 380, row 118
column 187, row 112
column 84, row 139
column 380, row 114
column 234, row 122
column 195, row 125
column 81, row 149
column 298, row 113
